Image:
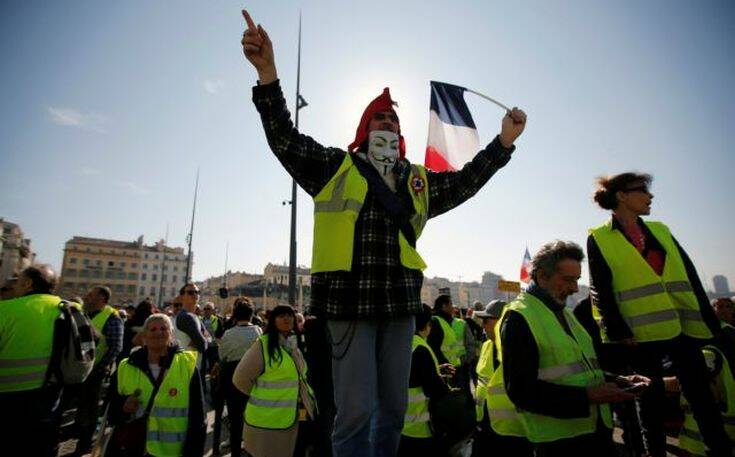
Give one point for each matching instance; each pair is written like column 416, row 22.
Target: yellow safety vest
column 690, row 439
column 169, row 417
column 417, row 422
column 563, row 360
column 449, row 346
column 485, row 369
column 99, row 321
column 337, row 207
column 504, row 417
column 656, row 308
column 458, row 325
column 274, row 399
column 26, row 340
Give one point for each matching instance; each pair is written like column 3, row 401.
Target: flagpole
column 488, row 98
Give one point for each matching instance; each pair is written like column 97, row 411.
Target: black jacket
column 197, row 426
column 520, row 368
column 603, row 298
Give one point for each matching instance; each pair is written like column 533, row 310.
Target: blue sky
column 109, row 108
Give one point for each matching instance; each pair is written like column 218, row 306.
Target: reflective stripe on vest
column 655, row 307
column 337, row 207
column 449, row 341
column 273, row 401
column 690, row 438
column 98, row 322
column 169, row 418
column 416, row 422
column 27, row 325
column 564, row 359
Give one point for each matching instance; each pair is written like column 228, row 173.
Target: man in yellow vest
column 370, row 207
column 550, row 368
column 648, row 299
column 109, row 328
column 29, row 407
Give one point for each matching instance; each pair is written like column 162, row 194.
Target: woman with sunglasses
column 646, row 295
column 273, row 374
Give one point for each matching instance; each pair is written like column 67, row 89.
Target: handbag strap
column 156, row 386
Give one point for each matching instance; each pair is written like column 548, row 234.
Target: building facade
column 131, row 269
column 722, row 286
column 15, row 250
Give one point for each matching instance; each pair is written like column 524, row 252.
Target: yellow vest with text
column 504, row 417
column 274, row 400
column 485, row 369
column 169, row 417
column 656, row 308
column 416, row 422
column 337, row 207
column 563, row 360
column 99, row 321
column 690, row 438
column 450, row 345
column 26, row 340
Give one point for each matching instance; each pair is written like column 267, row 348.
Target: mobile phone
column 636, row 387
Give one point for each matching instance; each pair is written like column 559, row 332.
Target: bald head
column 36, row 279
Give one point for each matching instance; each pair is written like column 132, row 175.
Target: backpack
column 72, row 356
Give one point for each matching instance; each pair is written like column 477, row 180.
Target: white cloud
column 213, row 86
column 74, row 118
column 132, row 187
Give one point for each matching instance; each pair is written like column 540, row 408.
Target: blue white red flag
column 453, row 139
column 526, row 267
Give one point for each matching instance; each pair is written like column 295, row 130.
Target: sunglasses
column 191, row 292
column 637, row 189
column 383, row 116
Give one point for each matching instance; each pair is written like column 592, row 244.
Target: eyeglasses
column 383, row 116
column 637, row 189
column 191, row 292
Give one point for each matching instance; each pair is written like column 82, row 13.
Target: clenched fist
column 513, row 124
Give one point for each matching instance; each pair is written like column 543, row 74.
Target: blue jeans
column 370, row 367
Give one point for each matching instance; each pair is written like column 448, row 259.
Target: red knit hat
column 382, row 103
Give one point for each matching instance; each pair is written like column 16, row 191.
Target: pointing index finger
column 249, row 20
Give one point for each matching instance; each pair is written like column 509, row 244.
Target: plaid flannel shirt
column 378, row 286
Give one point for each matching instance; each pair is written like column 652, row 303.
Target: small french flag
column 453, row 139
column 526, row 267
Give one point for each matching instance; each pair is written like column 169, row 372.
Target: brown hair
column 608, row 186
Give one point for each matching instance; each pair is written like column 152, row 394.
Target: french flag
column 453, row 139
column 526, row 267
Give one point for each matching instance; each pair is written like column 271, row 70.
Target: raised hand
column 258, row 49
column 513, row 124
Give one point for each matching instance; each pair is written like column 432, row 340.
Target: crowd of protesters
column 371, row 371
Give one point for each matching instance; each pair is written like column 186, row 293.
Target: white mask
column 383, row 151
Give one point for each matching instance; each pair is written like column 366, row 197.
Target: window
column 133, row 265
column 98, row 263
column 157, row 257
column 132, row 275
column 176, row 268
column 84, row 273
column 71, row 272
column 153, row 291
column 165, row 268
column 110, row 264
column 85, row 261
column 164, row 278
column 122, row 264
column 173, row 291
column 174, row 279
column 155, row 267
column 73, row 260
column 154, row 277
column 142, row 290
column 145, row 266
column 146, row 256
column 96, row 274
column 131, row 289
column 108, row 274
column 143, row 276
